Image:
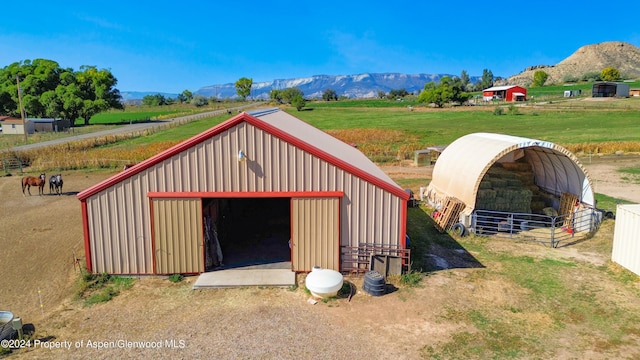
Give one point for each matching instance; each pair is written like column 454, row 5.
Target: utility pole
column 24, row 126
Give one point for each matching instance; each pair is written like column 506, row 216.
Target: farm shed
column 258, row 188
column 505, row 175
column 16, row 126
column 610, row 89
column 427, row 156
column 626, row 244
column 50, row 124
column 506, row 93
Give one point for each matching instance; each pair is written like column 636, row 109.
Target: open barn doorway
column 246, row 232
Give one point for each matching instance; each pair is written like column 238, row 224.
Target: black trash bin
column 374, row 283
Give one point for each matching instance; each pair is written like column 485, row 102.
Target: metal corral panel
column 178, row 237
column 119, row 218
column 315, row 233
column 626, row 243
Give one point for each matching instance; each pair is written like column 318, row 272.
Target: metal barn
column 610, row 89
column 260, row 187
column 505, row 93
column 50, row 124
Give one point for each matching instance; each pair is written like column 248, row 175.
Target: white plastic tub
column 324, row 283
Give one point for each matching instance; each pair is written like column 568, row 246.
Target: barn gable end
column 282, row 157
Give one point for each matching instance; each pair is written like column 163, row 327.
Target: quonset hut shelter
column 260, row 187
column 502, row 184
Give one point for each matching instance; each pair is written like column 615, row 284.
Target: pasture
column 389, row 134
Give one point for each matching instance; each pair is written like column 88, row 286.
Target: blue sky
column 172, row 46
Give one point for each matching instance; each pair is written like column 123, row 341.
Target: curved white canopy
column 462, row 165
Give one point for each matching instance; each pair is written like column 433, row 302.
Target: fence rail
column 357, row 258
column 551, row 230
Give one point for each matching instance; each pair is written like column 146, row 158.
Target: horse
column 29, row 181
column 55, row 183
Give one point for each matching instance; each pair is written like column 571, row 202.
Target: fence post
column 553, row 231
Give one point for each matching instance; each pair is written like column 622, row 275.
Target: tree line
column 49, row 91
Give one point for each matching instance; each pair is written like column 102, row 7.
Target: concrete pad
column 246, row 277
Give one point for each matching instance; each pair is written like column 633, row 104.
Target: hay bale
column 498, row 183
column 517, row 166
column 486, row 194
column 485, row 184
column 514, row 183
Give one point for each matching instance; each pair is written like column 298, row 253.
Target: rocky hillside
column 590, row 58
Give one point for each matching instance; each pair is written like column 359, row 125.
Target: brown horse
column 29, row 181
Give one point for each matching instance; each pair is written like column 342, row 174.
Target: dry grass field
column 41, row 235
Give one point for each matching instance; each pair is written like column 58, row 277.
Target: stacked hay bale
column 508, row 187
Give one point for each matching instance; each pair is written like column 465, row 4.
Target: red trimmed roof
column 367, row 171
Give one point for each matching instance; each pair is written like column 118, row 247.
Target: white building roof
column 462, row 165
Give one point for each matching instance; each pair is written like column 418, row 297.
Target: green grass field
column 570, row 124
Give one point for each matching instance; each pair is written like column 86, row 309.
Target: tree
column 446, row 91
column 591, row 76
column 289, row 94
column 382, row 94
column 185, row 96
column 276, row 95
column 243, row 87
column 464, row 79
column 329, row 94
column 397, row 93
column 298, row 101
column 539, row 78
column 98, row 91
column 51, row 91
column 610, row 74
column 199, row 101
column 487, row 79
column 154, row 100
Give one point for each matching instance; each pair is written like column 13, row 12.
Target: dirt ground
column 40, row 236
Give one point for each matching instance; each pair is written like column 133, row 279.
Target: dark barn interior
column 249, row 231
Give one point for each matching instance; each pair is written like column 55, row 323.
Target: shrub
column 513, row 110
column 498, row 111
column 411, row 278
column 568, row 78
column 591, row 76
column 176, row 278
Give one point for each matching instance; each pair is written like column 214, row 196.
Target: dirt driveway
column 41, row 235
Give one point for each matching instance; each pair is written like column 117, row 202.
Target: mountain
column 589, row 58
column 364, row 85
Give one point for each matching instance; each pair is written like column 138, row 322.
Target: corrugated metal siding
column 119, row 217
column 626, row 244
column 119, row 237
column 315, row 233
column 178, row 237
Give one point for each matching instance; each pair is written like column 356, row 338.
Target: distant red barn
column 506, row 93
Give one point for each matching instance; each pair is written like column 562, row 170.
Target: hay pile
column 508, row 187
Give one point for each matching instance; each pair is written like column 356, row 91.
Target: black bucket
column 374, row 283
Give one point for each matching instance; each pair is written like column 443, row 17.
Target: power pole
column 24, row 126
